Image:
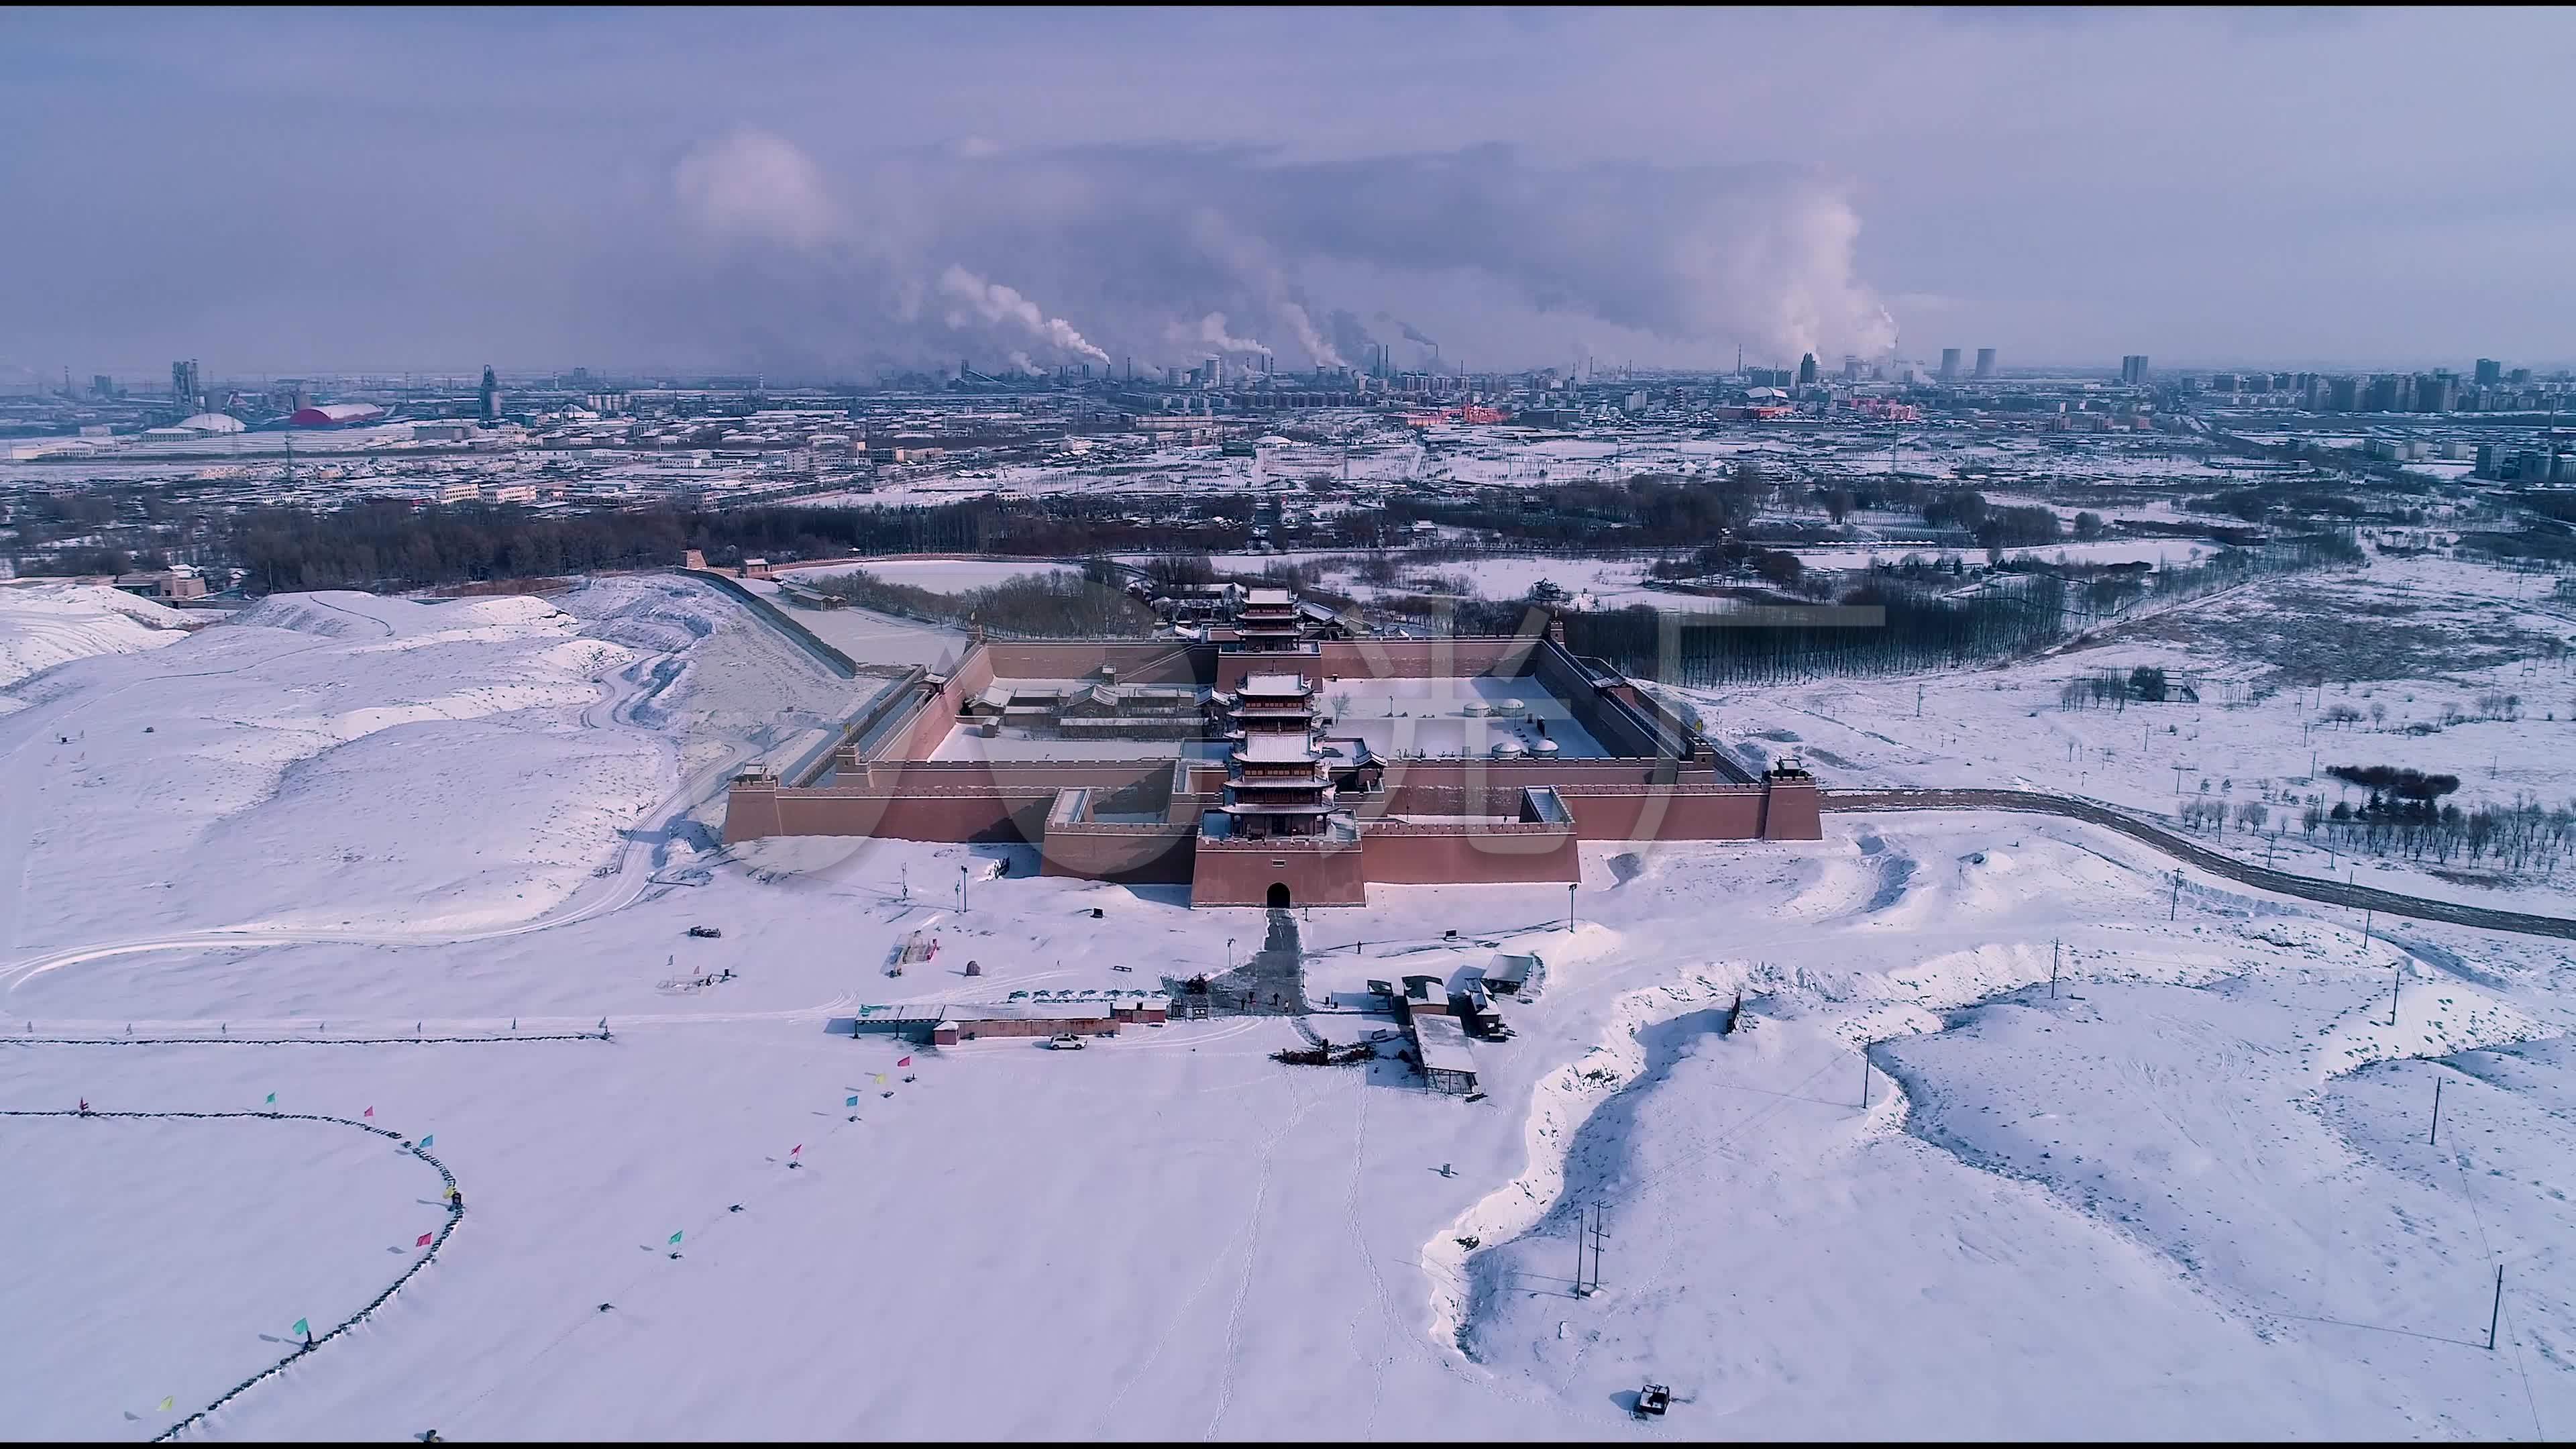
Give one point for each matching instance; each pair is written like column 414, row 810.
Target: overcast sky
column 832, row 193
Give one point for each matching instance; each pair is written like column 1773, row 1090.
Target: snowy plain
column 2187, row 1195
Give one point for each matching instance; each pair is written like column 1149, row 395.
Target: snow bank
column 50, row 624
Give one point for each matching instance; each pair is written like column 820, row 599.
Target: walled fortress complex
column 1278, row 761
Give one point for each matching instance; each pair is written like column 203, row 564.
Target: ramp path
column 2305, row 887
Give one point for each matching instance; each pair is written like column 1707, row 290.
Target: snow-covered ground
column 42, row 625
column 2404, row 644
column 2186, row 1196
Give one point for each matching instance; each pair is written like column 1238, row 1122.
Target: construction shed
column 1509, row 973
column 1426, row 996
column 1448, row 1063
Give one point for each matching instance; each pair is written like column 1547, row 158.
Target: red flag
column 905, row 1062
column 424, row 1241
column 370, row 1112
column 792, row 1151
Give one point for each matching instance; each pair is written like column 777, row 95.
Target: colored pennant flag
column 903, row 1061
column 852, row 1102
column 880, row 1079
column 304, row 1327
column 272, row 1099
column 167, row 1402
column 428, row 1140
column 675, row 1238
column 423, row 1241
column 792, row 1151
column 450, row 1194
column 370, row 1112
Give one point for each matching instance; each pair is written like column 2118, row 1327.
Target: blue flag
column 425, row 1141
column 851, row 1103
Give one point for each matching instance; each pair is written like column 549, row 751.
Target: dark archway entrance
column 1278, row 895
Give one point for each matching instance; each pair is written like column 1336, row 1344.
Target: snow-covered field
column 2188, row 1195
column 2404, row 644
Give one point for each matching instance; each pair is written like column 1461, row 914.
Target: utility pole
column 2175, row 907
column 2052, row 970
column 1600, row 1231
column 1864, row 1077
column 2397, row 983
column 2497, row 1312
column 961, row 890
column 2436, row 1139
column 1569, row 907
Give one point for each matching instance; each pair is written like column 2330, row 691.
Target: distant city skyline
column 840, row 194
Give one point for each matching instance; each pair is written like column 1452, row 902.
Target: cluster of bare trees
column 1044, row 605
column 2521, row 836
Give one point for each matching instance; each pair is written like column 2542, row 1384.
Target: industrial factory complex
column 1278, row 762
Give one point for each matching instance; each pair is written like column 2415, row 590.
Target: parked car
column 708, row 933
column 1067, row 1041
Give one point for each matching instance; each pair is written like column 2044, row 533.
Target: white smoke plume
column 1164, row 250
column 1002, row 306
column 1212, row 332
column 1307, row 337
column 754, row 184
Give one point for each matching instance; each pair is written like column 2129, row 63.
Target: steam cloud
column 1212, row 332
column 996, row 303
column 753, row 184
column 863, row 264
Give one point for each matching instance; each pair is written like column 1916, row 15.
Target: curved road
column 2336, row 893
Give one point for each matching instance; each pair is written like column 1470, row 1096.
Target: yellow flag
column 166, row 1403
column 880, row 1076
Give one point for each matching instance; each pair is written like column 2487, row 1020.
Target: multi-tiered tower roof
column 1276, row 780
column 1266, row 620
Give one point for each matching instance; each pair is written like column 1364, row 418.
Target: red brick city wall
column 1241, row 874
column 1443, row 855
column 981, row 804
column 1130, row 855
column 1795, row 811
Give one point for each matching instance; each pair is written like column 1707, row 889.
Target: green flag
column 675, row 1240
column 304, row 1327
column 272, row 1099
column 166, row 1403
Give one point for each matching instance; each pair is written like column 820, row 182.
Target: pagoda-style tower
column 1276, row 781
column 1266, row 621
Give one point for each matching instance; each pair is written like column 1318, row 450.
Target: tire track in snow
column 1251, row 1252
